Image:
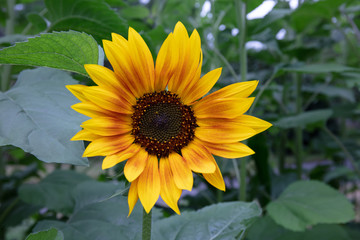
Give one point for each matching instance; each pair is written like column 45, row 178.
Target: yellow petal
column 243, row 120
column 105, row 146
column 169, row 192
column 118, row 39
column 91, row 110
column 112, row 160
column 107, row 100
column 77, row 90
column 222, row 108
column 84, row 135
column 224, row 133
column 179, row 50
column 180, row 60
column 149, row 184
column 104, row 77
column 191, row 71
column 132, row 196
column 142, row 59
column 136, row 165
column 201, row 87
column 229, row 150
column 119, row 57
column 163, row 64
column 215, row 178
column 183, row 176
column 255, row 123
column 108, row 126
column 235, row 90
column 198, row 157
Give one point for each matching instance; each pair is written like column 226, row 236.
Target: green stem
column 8, row 210
column 9, row 29
column 343, row 148
column 2, row 164
column 10, row 22
column 215, row 31
column 242, row 196
column 298, row 130
column 146, row 226
column 231, row 69
column 237, row 173
column 261, row 91
column 29, row 25
column 281, row 150
column 240, row 8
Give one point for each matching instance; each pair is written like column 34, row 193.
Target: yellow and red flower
column 157, row 118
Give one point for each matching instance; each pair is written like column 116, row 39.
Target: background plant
column 306, row 59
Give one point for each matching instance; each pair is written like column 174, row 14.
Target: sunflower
column 157, row 118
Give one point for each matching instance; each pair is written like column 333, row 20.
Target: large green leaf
column 304, row 118
column 95, row 218
column 51, row 234
column 221, row 221
column 54, row 191
column 306, row 203
column 36, row 116
column 63, row 50
column 94, row 17
column 89, row 192
column 266, row 228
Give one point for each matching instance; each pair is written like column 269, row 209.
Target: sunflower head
column 157, row 118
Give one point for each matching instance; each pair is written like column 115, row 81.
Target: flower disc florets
column 162, row 124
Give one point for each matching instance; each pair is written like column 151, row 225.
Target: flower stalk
column 298, row 130
column 240, row 8
column 9, row 29
column 146, row 225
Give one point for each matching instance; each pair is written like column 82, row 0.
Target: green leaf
column 312, row 12
column 306, row 203
column 272, row 17
column 319, row 68
column 54, row 191
column 51, row 234
column 251, row 5
column 328, row 232
column 100, row 220
column 19, row 210
column 36, row 116
column 94, row 17
column 37, row 21
column 331, row 91
column 304, row 118
column 261, row 158
column 266, row 228
column 135, row 12
column 220, row 221
column 339, row 172
column 63, row 50
column 89, row 192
